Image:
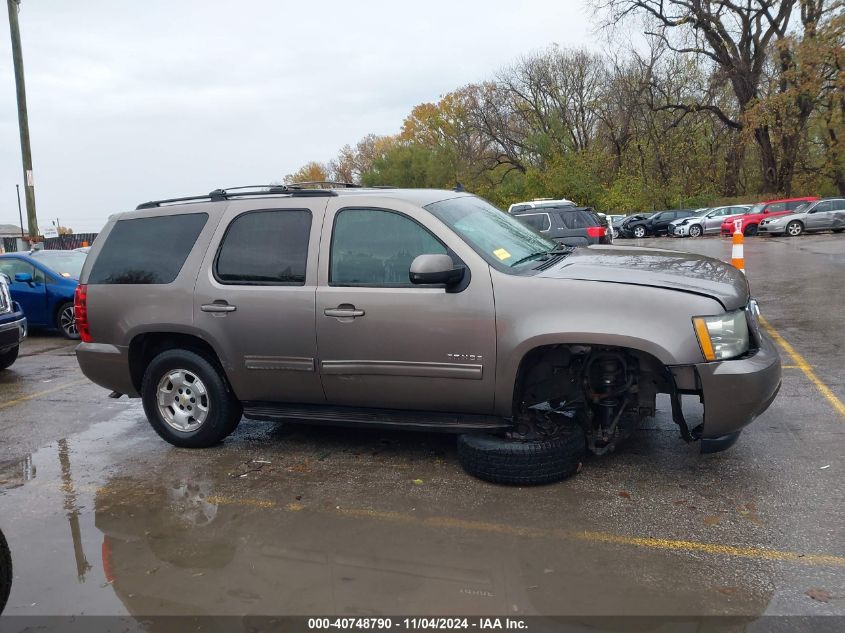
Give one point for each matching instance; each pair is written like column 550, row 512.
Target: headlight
column 723, row 336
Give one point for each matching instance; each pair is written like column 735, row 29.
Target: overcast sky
column 136, row 100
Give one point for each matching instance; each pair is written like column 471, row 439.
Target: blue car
column 12, row 325
column 43, row 283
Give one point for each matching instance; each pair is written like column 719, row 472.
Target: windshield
column 66, row 264
column 498, row 237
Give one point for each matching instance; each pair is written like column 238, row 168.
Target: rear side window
column 147, row 250
column 578, row 219
column 265, row 248
column 837, row 205
column 539, row 221
column 796, row 203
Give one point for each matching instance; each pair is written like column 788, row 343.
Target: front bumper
column 771, row 229
column 12, row 330
column 737, row 391
column 681, row 230
column 107, row 366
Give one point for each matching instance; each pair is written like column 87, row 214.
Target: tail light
column 596, row 231
column 80, row 311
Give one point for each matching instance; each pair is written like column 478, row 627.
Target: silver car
column 707, row 223
column 822, row 215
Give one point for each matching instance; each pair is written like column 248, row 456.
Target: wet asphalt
column 103, row 517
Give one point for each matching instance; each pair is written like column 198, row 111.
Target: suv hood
column 657, row 268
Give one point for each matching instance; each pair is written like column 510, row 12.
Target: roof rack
column 295, row 189
column 333, row 183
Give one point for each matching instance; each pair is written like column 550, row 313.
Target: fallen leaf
column 299, row 497
column 819, row 595
column 418, row 482
column 624, row 494
column 823, row 467
column 727, row 590
column 679, row 502
column 712, row 520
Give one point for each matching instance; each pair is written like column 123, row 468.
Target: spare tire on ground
column 522, row 463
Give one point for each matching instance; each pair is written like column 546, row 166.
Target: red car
column 762, row 210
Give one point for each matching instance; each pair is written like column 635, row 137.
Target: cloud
column 137, row 100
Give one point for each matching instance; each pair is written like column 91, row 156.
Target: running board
column 375, row 418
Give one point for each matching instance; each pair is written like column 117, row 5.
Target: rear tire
column 532, row 463
column 8, row 357
column 222, row 410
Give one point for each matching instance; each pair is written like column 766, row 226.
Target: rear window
column 265, row 248
column 579, row 219
column 147, row 250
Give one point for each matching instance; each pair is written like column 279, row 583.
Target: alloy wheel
column 67, row 322
column 183, row 401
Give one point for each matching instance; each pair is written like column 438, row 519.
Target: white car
column 538, row 203
column 706, row 221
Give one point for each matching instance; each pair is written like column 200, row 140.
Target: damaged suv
column 414, row 309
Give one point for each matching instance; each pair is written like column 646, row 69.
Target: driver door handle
column 344, row 310
column 218, row 306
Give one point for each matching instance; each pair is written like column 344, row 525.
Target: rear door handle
column 218, row 306
column 344, row 310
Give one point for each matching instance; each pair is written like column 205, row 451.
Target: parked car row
column 787, row 216
column 43, row 284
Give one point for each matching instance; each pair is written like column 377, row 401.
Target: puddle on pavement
column 15, row 473
column 119, row 523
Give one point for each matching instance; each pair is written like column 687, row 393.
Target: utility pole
column 20, row 213
column 23, row 118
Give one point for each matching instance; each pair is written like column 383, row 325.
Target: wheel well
column 58, row 310
column 550, row 364
column 147, row 346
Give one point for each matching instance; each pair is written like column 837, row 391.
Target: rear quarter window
column 147, row 250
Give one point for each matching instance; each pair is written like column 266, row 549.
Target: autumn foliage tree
column 727, row 100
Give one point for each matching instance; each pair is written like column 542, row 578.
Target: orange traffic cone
column 737, row 255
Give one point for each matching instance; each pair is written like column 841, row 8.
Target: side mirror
column 23, row 278
column 435, row 269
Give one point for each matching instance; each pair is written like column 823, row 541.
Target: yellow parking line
column 442, row 522
column 802, row 364
column 38, row 394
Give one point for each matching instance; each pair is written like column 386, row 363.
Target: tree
column 736, row 38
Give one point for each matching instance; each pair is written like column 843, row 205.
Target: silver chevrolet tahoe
column 414, row 309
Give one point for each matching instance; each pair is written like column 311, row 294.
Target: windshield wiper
column 559, row 249
column 532, row 256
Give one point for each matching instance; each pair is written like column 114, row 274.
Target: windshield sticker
column 502, row 254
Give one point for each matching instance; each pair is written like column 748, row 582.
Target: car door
column 712, row 223
column 32, row 295
column 386, row 343
column 819, row 217
column 838, row 212
column 254, row 298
